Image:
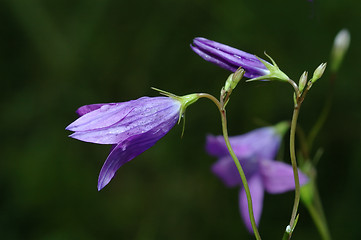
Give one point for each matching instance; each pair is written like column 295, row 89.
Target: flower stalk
column 296, row 111
column 300, row 94
column 221, row 107
column 241, row 173
column 315, row 208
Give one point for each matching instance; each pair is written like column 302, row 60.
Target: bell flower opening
column 131, row 127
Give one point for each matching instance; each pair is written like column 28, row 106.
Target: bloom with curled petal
column 256, row 151
column 131, row 127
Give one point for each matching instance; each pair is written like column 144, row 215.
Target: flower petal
column 262, row 142
column 89, row 108
column 257, row 193
column 278, row 177
column 226, row 170
column 209, row 58
column 114, row 123
column 216, row 146
column 229, row 58
column 105, row 116
column 129, row 149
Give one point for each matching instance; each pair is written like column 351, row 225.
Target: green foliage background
column 58, row 55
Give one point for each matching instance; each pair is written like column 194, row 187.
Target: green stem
column 323, row 228
column 316, row 211
column 236, row 161
column 294, row 164
column 295, row 87
column 241, row 173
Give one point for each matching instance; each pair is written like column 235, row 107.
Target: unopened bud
column 318, row 72
column 340, row 47
column 227, row 85
column 234, row 79
column 303, row 81
column 237, row 76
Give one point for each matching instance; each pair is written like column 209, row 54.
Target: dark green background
column 58, row 55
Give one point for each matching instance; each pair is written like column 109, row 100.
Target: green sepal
column 275, row 72
column 184, row 100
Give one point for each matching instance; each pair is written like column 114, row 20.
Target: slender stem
column 299, row 97
column 236, row 161
column 241, row 173
column 317, row 214
column 295, row 87
column 319, row 223
column 294, row 165
column 316, row 211
column 212, row 98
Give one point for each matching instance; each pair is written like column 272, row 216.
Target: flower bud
column 229, row 58
column 227, row 85
column 340, row 47
column 303, row 81
column 318, row 72
column 238, row 75
column 232, row 59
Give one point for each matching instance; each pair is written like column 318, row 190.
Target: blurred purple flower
column 256, row 151
column 229, row 58
column 132, row 127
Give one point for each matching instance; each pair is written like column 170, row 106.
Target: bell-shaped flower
column 256, row 152
column 231, row 59
column 131, row 127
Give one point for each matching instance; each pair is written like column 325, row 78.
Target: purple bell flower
column 131, row 127
column 256, row 152
column 229, row 58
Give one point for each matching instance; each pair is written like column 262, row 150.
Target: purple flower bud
column 256, row 152
column 132, row 127
column 229, row 58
